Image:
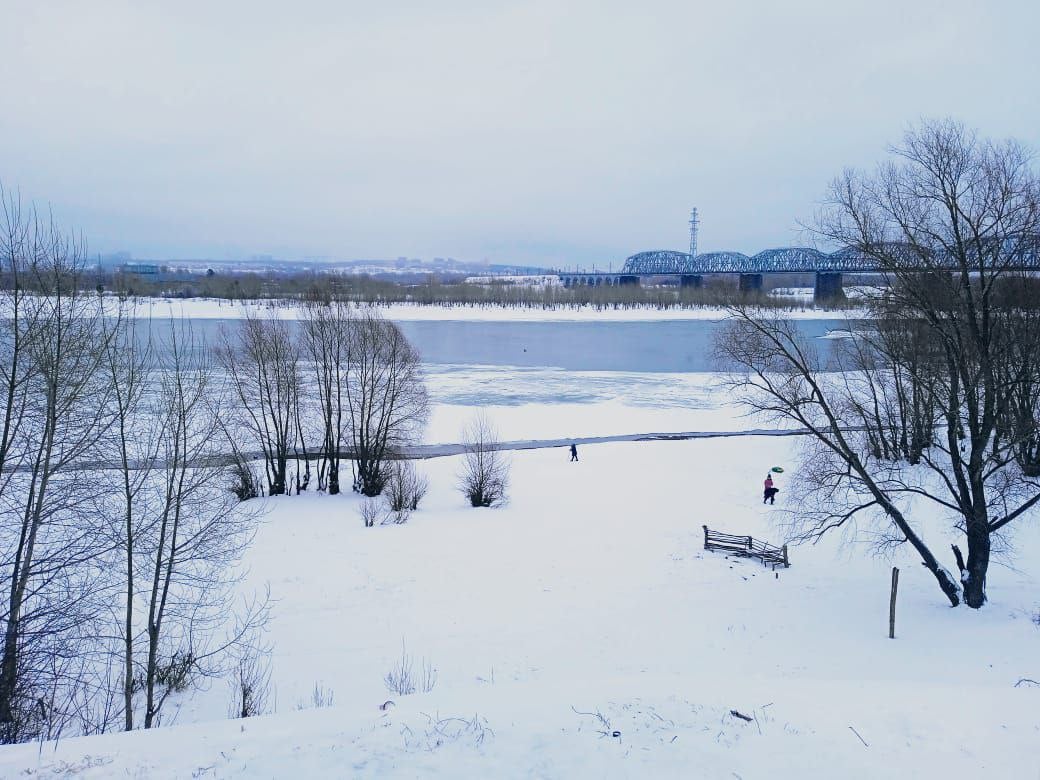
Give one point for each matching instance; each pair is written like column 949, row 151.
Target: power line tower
column 694, row 223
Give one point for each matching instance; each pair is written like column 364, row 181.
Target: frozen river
column 572, row 379
column 666, row 346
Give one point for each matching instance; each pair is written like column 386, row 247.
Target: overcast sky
column 557, row 133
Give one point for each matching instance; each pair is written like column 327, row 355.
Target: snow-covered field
column 587, row 607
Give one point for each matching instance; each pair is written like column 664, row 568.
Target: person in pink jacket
column 769, row 493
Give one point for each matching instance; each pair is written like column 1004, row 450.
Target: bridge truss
column 1025, row 256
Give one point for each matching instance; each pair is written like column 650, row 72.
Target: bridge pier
column 628, row 279
column 828, row 287
column 751, row 283
column 694, row 281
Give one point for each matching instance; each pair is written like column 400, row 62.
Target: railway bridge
column 827, row 267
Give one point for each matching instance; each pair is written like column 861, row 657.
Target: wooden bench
column 746, row 547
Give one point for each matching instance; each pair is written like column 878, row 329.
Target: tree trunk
column 973, row 577
column 128, row 648
column 8, row 680
column 277, row 487
column 149, row 683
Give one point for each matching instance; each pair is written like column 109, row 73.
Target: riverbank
column 218, row 308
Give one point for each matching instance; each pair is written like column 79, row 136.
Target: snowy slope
column 591, row 593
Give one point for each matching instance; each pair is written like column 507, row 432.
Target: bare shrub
column 245, row 483
column 320, row 697
column 427, row 676
column 398, row 517
column 175, row 674
column 403, row 679
column 250, row 683
column 400, row 679
column 405, row 488
column 485, row 474
column 370, row 511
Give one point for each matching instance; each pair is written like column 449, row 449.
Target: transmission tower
column 693, row 232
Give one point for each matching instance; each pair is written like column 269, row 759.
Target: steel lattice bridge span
column 828, row 268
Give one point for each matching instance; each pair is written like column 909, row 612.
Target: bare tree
column 385, row 396
column 945, row 381
column 327, row 329
column 132, row 443
column 263, row 365
column 196, row 537
column 485, row 471
column 1019, row 423
column 56, row 410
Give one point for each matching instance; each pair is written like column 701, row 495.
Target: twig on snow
column 607, row 730
column 860, row 738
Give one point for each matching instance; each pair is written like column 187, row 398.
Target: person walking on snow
column 574, row 452
column 769, row 493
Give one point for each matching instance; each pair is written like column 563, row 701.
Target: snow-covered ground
column 215, row 308
column 588, row 606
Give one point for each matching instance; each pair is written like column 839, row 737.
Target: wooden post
column 786, row 564
column 892, row 604
column 705, row 536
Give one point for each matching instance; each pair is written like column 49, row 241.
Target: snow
column 527, row 280
column 590, row 592
column 578, row 404
column 842, row 334
column 216, row 308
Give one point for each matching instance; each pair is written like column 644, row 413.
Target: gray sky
column 557, row 133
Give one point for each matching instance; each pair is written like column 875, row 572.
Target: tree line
column 436, row 289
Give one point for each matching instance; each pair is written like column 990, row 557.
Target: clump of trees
column 122, row 523
column 119, row 550
column 937, row 408
column 262, row 362
column 367, row 380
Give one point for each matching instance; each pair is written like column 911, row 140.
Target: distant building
column 141, row 269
